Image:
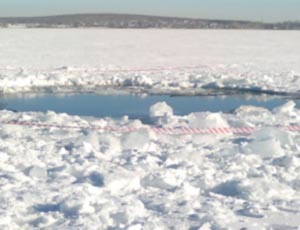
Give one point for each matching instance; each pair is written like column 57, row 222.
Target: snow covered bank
column 81, row 179
column 96, row 58
column 201, row 80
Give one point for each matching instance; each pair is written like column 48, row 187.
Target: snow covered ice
column 151, row 61
column 53, row 178
column 84, row 179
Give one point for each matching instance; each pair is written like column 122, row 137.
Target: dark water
column 134, row 106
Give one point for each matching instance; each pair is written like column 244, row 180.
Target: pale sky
column 258, row 10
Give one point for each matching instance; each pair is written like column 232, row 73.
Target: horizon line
column 150, row 15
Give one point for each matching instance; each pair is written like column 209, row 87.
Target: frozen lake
column 68, row 178
column 134, row 106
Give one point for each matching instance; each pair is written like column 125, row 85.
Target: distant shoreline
column 127, row 21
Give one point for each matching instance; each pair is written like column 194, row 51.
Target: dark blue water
column 135, row 106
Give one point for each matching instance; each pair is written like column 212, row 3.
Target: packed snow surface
column 55, row 178
column 151, row 61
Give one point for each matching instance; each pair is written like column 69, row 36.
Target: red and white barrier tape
column 158, row 130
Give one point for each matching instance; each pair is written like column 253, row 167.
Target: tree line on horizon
column 138, row 21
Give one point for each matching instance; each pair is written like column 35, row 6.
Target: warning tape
column 158, row 130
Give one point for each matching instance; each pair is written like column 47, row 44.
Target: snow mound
column 207, row 120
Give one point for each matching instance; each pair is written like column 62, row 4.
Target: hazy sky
column 266, row 10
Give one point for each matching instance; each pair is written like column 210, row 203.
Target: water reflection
column 135, row 106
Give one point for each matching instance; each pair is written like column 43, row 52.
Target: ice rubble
column 201, row 80
column 84, row 179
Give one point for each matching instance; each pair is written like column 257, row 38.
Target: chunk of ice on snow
column 269, row 142
column 283, row 137
column 109, row 144
column 160, row 109
column 136, row 140
column 265, row 148
column 288, row 108
column 207, row 120
column 37, row 172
